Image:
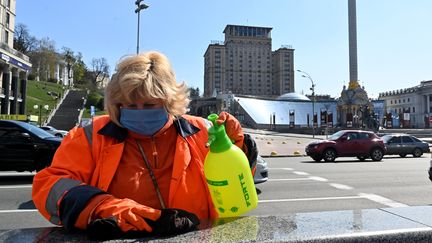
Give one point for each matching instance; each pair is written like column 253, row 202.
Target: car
column 403, row 144
column 25, row 147
column 430, row 169
column 261, row 173
column 347, row 143
column 54, row 131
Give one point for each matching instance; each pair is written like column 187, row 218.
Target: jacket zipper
column 154, row 152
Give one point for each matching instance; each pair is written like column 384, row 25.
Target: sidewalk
column 281, row 144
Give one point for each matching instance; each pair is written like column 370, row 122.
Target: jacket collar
column 183, row 127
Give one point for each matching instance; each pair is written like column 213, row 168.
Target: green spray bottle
column 228, row 174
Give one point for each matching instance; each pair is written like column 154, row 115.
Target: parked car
column 261, row 173
column 348, row 143
column 403, row 144
column 25, row 147
column 54, row 131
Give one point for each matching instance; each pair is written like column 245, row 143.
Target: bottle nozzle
column 210, row 140
column 217, row 140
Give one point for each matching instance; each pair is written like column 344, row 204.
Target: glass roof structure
column 293, row 97
column 261, row 110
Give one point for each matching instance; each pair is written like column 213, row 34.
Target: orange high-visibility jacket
column 84, row 166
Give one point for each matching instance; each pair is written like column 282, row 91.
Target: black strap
column 252, row 149
column 152, row 176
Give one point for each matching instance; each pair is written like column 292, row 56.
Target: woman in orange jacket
column 139, row 168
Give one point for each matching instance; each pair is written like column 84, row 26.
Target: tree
column 100, row 69
column 69, row 58
column 23, row 41
column 44, row 59
column 79, row 70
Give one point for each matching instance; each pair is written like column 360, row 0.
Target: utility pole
column 306, row 75
column 140, row 6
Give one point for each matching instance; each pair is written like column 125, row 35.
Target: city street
column 296, row 184
column 300, row 184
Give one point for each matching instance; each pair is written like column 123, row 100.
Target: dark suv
column 25, row 147
column 348, row 143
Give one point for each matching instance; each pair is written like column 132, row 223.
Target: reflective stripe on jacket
column 79, row 171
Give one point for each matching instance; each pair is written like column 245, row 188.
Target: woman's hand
column 128, row 214
column 232, row 128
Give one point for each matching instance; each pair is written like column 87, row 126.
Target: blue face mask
column 143, row 121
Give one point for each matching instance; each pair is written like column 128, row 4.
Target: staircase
column 67, row 114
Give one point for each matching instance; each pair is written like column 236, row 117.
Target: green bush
column 93, row 99
column 52, row 80
column 100, row 105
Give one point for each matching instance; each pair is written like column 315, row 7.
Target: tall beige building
column 245, row 64
column 14, row 65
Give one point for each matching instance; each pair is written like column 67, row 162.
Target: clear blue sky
column 394, row 37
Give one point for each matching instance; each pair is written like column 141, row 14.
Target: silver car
column 261, row 173
column 54, row 131
column 403, row 144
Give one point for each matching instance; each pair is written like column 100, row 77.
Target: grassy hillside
column 45, row 93
column 42, row 93
column 86, row 113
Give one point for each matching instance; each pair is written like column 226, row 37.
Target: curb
column 282, row 155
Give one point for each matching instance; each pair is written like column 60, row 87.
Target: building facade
column 409, row 107
column 63, row 74
column 14, row 66
column 245, row 64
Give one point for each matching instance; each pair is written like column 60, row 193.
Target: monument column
column 352, row 31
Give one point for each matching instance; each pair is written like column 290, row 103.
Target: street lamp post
column 140, row 6
column 306, row 75
column 46, row 107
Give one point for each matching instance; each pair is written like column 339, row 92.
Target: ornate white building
column 409, row 107
column 14, row 65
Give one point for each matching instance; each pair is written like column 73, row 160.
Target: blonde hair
column 146, row 75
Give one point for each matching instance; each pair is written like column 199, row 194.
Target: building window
column 7, row 20
column 413, row 109
column 6, row 36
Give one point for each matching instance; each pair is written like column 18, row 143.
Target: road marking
column 309, row 199
column 280, row 168
column 18, row 211
column 15, row 187
column 340, row 186
column 17, row 173
column 317, row 178
column 382, row 200
column 293, row 179
column 300, row 173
